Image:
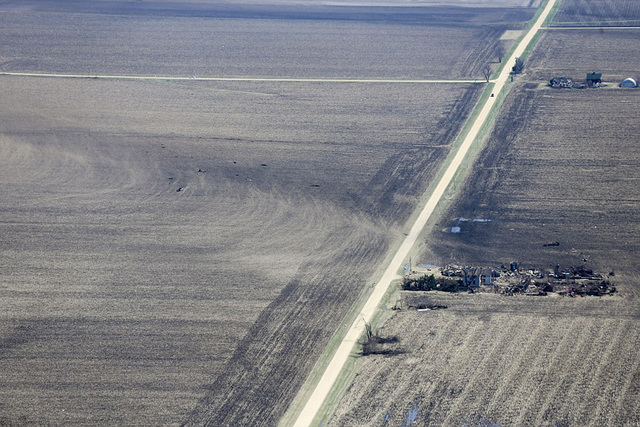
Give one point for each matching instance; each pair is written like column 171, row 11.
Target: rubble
column 512, row 280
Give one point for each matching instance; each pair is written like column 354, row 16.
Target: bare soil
column 598, row 12
column 491, row 360
column 124, row 298
column 164, row 241
column 560, row 166
column 574, row 53
column 159, row 38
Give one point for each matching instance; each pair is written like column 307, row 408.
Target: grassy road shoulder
column 317, row 407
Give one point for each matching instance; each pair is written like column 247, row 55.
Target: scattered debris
column 511, row 280
column 593, row 80
column 458, row 228
column 430, row 307
column 429, row 266
column 561, row 82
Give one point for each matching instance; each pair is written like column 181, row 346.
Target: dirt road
column 238, row 79
column 329, row 377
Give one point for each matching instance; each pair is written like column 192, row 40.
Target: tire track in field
column 239, row 79
column 621, row 361
column 511, row 376
column 630, row 392
column 577, row 370
column 560, row 342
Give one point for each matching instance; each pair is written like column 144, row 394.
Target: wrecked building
column 561, row 82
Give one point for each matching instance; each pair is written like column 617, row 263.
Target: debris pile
column 561, row 82
column 593, row 80
column 512, row 280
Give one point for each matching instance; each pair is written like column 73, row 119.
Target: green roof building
column 594, row 79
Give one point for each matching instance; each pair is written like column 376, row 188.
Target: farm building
column 594, row 79
column 629, row 82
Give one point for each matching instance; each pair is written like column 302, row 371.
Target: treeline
column 430, row 283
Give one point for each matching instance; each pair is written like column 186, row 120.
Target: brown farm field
column 598, row 13
column 490, row 360
column 224, row 40
column 559, row 166
column 183, row 251
column 123, row 298
column 573, row 53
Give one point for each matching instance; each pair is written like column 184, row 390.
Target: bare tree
column 486, row 72
column 500, row 51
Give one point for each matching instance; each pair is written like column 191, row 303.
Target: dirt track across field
column 598, row 27
column 239, row 79
column 329, row 377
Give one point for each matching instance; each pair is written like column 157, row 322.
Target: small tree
column 486, row 72
column 517, row 69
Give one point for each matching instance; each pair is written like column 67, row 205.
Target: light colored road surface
column 599, row 28
column 237, row 79
column 356, row 330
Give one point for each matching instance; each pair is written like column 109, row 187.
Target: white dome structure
column 629, row 82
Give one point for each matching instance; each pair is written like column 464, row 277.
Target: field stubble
column 559, row 166
column 342, row 42
column 573, row 53
column 598, row 13
column 148, row 228
column 495, row 360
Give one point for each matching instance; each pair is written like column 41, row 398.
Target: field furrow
column 598, row 12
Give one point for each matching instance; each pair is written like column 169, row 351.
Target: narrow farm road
column 591, row 27
column 356, row 330
column 236, row 79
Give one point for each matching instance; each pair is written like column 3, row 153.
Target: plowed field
column 560, row 166
column 491, row 360
column 573, row 53
column 598, row 12
column 167, row 243
column 226, row 40
column 146, row 226
column 566, row 171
